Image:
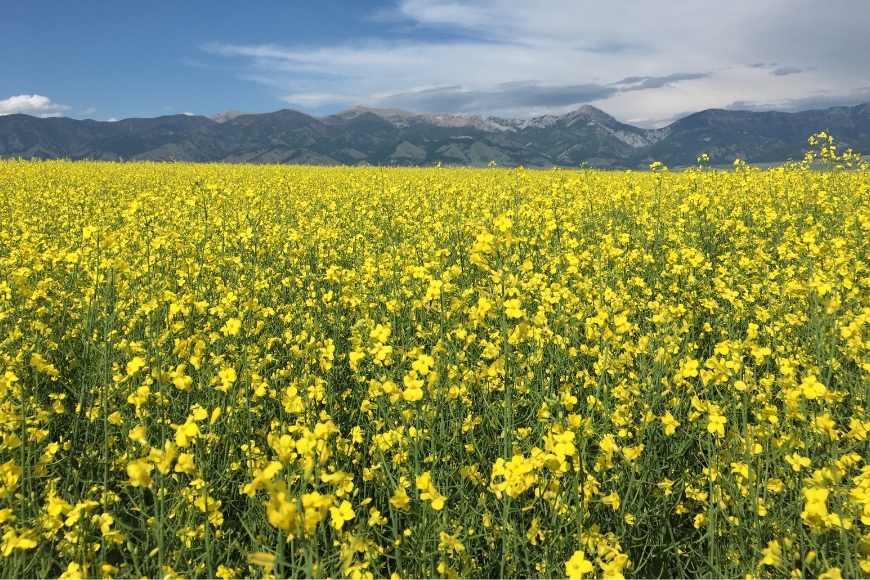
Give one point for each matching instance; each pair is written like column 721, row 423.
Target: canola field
column 240, row 371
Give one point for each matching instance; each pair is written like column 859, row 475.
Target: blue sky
column 646, row 62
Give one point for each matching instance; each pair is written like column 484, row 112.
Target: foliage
column 223, row 371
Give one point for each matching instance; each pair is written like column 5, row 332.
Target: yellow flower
column 413, row 387
column 185, row 464
column 232, row 327
column 400, row 499
column 512, row 308
column 578, row 566
column 163, row 458
column 180, row 379
column 773, row 554
column 12, row 541
column 140, row 473
column 815, row 513
column 632, row 453
column 140, row 397
column 380, row 333
column 263, row 478
column 450, row 544
column 613, row 569
column 797, row 462
column 187, row 433
column 266, row 560
column 811, row 388
column 423, row 364
column 354, row 357
column 227, row 377
column 611, row 500
column 428, row 491
column 716, row 424
column 135, row 365
column 281, row 510
column 562, row 444
column 518, row 474
column 73, row 572
column 341, row 514
column 690, row 368
column 137, row 434
column 608, row 444
column 375, row 518
column 666, row 485
column 669, row 423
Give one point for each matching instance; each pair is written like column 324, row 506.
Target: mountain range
column 364, row 136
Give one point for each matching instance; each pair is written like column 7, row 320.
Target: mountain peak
column 386, row 113
column 594, row 113
column 590, row 110
column 228, row 116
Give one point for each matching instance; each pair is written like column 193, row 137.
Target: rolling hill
column 364, row 136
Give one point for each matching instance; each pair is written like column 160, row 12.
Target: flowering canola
column 212, row 370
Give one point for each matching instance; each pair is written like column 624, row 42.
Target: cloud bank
column 35, row 105
column 507, row 99
column 647, row 60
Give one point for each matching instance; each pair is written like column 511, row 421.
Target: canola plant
column 228, row 371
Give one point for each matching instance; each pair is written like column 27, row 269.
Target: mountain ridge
column 370, row 136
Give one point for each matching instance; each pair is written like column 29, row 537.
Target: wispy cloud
column 517, row 98
column 35, row 105
column 648, row 60
column 412, row 75
column 819, row 100
column 643, row 83
column 316, row 100
column 506, row 96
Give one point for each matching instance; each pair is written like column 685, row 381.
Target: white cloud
column 648, row 60
column 189, row 114
column 35, row 105
column 518, row 98
column 817, row 100
column 315, row 100
column 111, row 120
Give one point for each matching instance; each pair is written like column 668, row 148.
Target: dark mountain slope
column 751, row 136
column 362, row 136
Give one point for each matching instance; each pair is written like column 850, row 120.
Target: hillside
column 364, row 136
